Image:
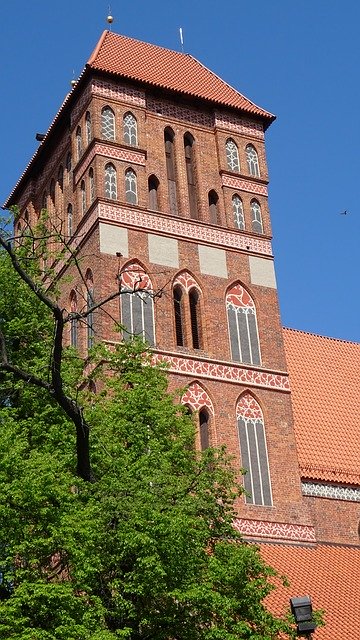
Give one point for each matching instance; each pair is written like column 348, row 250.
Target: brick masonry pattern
column 334, row 492
column 109, row 151
column 275, row 530
column 196, row 397
column 244, row 185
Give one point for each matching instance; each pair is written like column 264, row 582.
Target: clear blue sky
column 298, row 59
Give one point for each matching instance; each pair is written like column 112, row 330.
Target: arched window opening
column 88, row 127
column 252, row 161
column 130, row 186
column 70, row 219
column 254, row 456
column 190, row 174
column 153, row 185
column 238, row 212
column 194, row 303
column 107, row 123
column 213, row 207
column 79, row 147
column 232, row 155
column 110, row 182
column 89, row 304
column 83, row 197
column 256, row 217
column 73, row 321
column 244, row 340
column 137, row 304
column 130, row 129
column 60, row 178
column 52, row 193
column 179, row 316
column 44, row 201
column 169, row 138
column 204, row 429
column 68, row 166
column 92, row 185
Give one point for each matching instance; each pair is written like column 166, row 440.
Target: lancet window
column 243, row 332
column 137, row 304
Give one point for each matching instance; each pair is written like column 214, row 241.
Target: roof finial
column 181, row 39
column 73, row 81
column 110, row 18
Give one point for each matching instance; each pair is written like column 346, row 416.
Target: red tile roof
column 330, row 574
column 325, row 384
column 171, row 70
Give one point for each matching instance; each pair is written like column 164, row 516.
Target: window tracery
column 232, row 155
column 130, row 129
column 107, row 123
column 243, row 332
column 238, row 212
column 252, row 161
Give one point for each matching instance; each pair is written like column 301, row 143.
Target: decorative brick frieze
column 238, row 125
column 80, row 105
column 183, row 229
column 112, row 152
column 203, row 368
column 197, row 398
column 171, row 110
column 275, row 530
column 244, row 185
column 118, row 92
column 186, row 281
column 332, row 491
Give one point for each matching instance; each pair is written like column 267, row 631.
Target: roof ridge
column 319, row 335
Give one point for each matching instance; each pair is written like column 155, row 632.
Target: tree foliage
column 147, row 550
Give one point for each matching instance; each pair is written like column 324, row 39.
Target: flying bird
column 344, row 213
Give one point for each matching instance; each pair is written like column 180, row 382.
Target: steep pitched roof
column 171, row 70
column 330, row 574
column 325, row 383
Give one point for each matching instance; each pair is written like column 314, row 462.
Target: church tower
column 157, row 170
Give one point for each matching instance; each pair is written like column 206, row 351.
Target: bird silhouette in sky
column 344, row 213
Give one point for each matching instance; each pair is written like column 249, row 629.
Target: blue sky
column 299, row 60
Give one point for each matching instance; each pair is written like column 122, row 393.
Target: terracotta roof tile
column 169, row 70
column 329, row 574
column 325, row 383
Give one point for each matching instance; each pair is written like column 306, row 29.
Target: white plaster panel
column 212, row 261
column 163, row 250
column 113, row 239
column 262, row 272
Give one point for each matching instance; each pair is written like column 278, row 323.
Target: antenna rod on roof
column 181, row 39
column 109, row 18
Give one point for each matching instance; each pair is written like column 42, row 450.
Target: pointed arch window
column 68, row 166
column 60, row 178
column 110, row 182
column 213, row 207
column 252, row 161
column 83, row 197
column 79, row 147
column 256, row 217
column 179, row 315
column 204, row 429
column 243, row 332
column 44, row 201
column 194, row 304
column 107, row 123
column 130, row 129
column 88, row 127
column 254, row 456
column 70, row 219
column 89, row 304
column 130, row 186
column 238, row 212
column 137, row 304
column 169, row 139
column 73, row 321
column 197, row 399
column 52, row 193
column 232, row 155
column 153, row 185
column 190, row 174
column 92, row 185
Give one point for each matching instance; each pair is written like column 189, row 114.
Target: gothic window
column 204, row 429
column 169, row 138
column 252, row 161
column 254, row 457
column 190, row 174
column 110, row 182
column 213, row 207
column 68, row 166
column 83, row 197
column 232, row 155
column 73, row 321
column 108, row 123
column 44, row 201
column 60, row 178
column 238, row 212
column 52, row 193
column 256, row 217
column 130, row 186
column 89, row 303
column 153, row 185
column 78, row 143
column 130, row 129
column 243, row 332
column 179, row 316
column 196, row 399
column 194, row 304
column 92, row 185
column 137, row 305
column 70, row 220
column 88, row 127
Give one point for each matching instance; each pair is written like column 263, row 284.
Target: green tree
column 146, row 550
